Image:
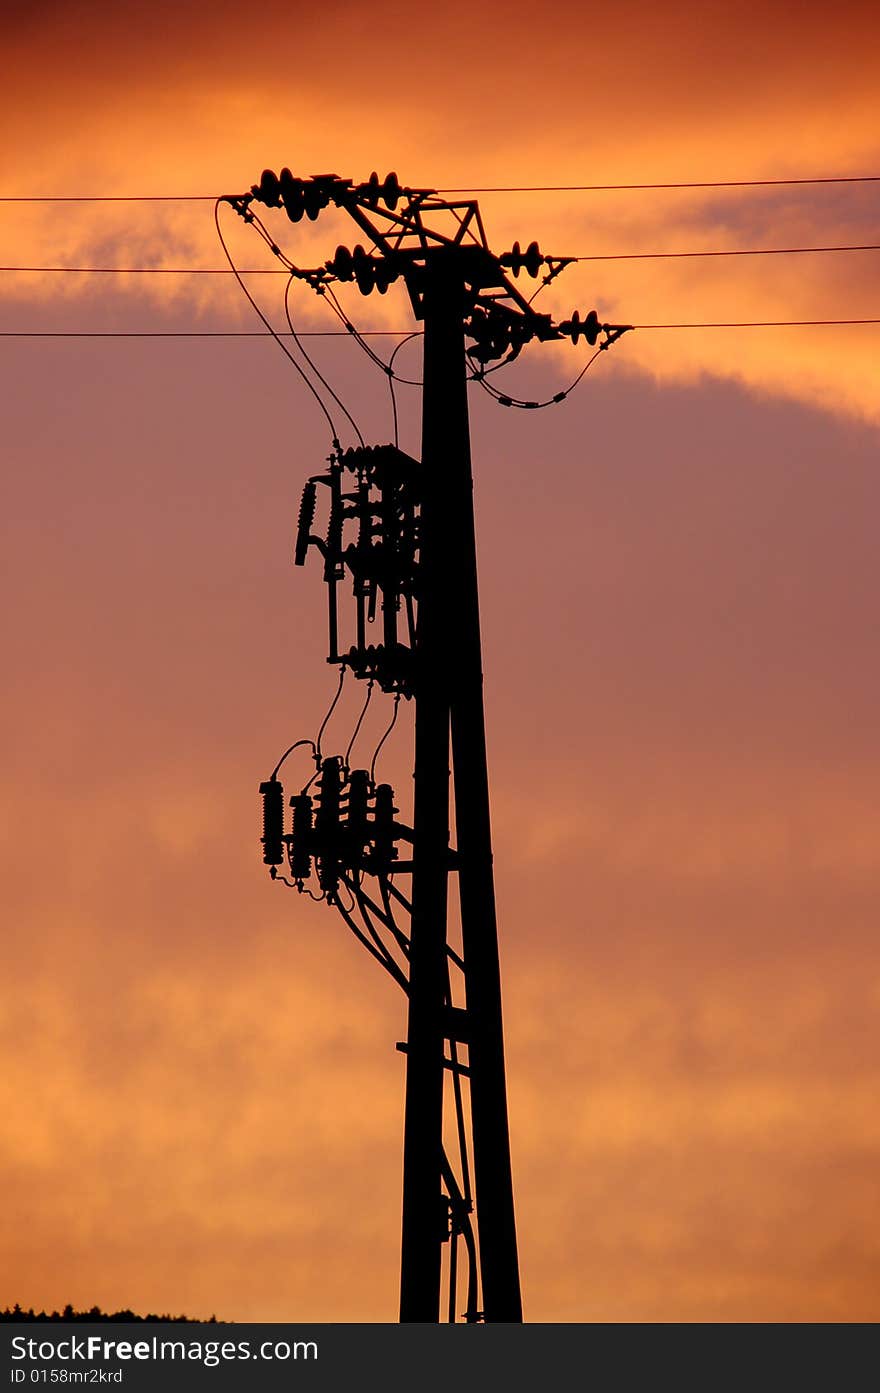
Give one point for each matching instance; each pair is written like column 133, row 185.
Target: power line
column 591, row 256
column 156, row 270
column 334, row 433
column 697, row 184
column 190, row 333
column 195, row 333
column 380, row 333
column 343, row 408
column 110, row 198
column 474, row 189
column 730, row 251
column 759, row 324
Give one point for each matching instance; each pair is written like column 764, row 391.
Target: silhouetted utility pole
column 450, row 686
column 416, row 551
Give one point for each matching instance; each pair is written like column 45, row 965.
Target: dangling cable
column 280, row 342
column 294, row 746
column 339, row 905
column 399, row 935
column 384, row 738
column 459, row 1102
column 276, row 876
column 322, row 288
column 391, row 968
column 467, row 1232
column 260, row 227
column 453, row 1268
column 343, row 408
column 390, row 371
column 386, row 917
column 329, row 714
column 479, row 376
column 362, row 900
column 389, row 888
column 337, row 309
column 459, row 1120
column 359, row 721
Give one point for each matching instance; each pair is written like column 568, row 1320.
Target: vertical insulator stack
column 304, row 524
column 273, row 822
column 301, row 842
column 356, row 828
column 384, row 849
column 327, row 826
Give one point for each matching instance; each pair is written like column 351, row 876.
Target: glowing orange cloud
column 678, row 573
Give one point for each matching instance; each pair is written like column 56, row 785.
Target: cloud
column 678, row 595
column 725, row 99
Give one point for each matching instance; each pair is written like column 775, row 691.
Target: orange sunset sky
column 202, row 1105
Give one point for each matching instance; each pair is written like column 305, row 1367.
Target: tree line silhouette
column 17, row 1313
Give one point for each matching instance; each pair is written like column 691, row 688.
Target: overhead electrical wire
column 504, row 399
column 474, row 188
column 360, row 721
column 295, row 746
column 155, row 270
column 284, row 349
column 330, row 295
column 404, row 336
column 479, row 375
column 325, row 291
column 392, row 379
column 681, row 184
column 343, row 408
column 193, row 333
column 361, row 901
column 330, row 711
column 728, row 251
column 388, row 963
column 384, row 738
column 384, row 333
column 109, row 198
column 386, row 915
column 758, row 324
column 585, row 257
